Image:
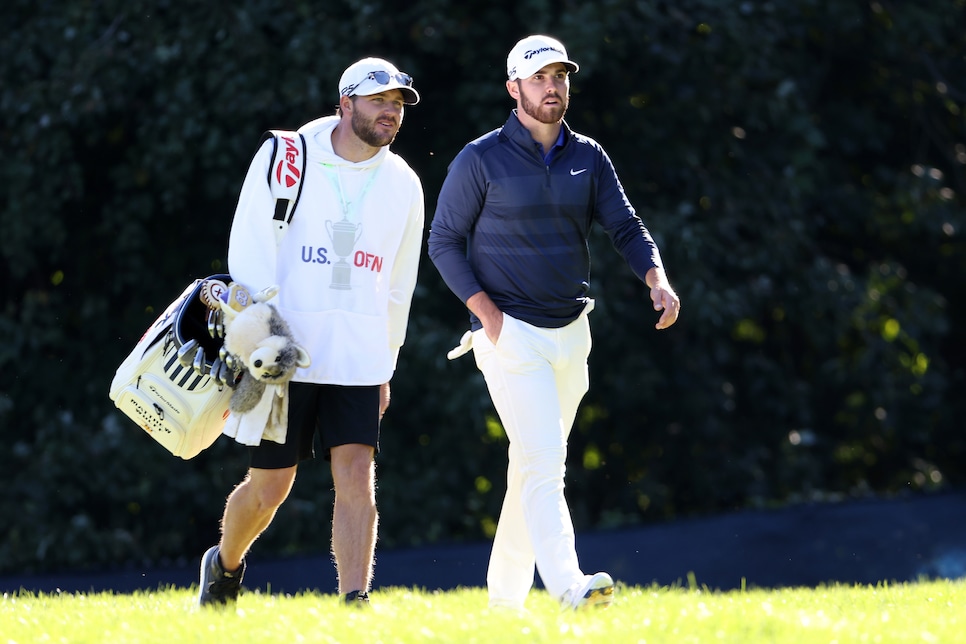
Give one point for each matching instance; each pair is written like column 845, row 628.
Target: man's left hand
column 665, row 299
column 383, row 399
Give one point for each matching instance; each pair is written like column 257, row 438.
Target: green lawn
column 929, row 611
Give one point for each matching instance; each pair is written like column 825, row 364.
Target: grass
column 928, row 611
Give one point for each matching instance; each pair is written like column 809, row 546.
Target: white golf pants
column 536, row 378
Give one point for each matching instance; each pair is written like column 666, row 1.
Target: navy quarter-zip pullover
column 513, row 225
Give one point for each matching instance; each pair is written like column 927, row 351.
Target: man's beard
column 365, row 129
column 544, row 113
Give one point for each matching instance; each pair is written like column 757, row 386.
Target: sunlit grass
column 929, row 611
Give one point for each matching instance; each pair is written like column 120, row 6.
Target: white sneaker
column 595, row 590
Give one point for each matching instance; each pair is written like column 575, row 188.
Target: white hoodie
column 349, row 308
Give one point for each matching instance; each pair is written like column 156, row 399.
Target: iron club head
column 187, row 351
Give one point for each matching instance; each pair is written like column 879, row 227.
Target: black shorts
column 341, row 415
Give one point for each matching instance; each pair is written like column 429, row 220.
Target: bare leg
column 249, row 511
column 354, row 518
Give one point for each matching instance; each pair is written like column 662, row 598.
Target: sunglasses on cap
column 382, row 78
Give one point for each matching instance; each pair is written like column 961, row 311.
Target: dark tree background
column 802, row 165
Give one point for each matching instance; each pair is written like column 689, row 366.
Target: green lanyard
column 335, row 176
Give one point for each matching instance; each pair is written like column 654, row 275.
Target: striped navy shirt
column 515, row 225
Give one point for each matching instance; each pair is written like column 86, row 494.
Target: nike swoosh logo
column 574, row 173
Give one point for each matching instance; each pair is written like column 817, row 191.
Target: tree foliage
column 802, row 165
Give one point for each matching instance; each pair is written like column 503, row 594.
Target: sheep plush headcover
column 260, row 343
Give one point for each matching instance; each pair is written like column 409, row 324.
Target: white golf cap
column 373, row 75
column 533, row 52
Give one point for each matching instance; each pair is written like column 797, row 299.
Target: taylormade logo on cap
column 534, row 52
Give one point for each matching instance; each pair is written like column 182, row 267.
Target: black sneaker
column 356, row 598
column 218, row 587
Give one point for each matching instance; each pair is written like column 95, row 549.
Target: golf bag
column 175, row 384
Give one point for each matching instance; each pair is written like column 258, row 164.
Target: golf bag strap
column 285, row 174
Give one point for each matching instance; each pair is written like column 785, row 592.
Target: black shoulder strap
column 285, row 174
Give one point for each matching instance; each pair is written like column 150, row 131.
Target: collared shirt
column 558, row 144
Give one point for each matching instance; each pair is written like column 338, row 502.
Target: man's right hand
column 490, row 316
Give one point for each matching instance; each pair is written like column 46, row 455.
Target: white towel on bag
column 268, row 420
